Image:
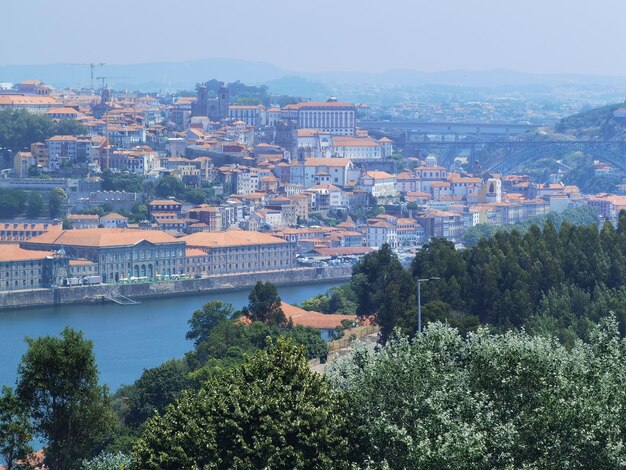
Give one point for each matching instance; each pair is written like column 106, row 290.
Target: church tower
column 223, row 102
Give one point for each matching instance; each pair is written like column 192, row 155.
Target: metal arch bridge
column 522, row 152
column 518, row 152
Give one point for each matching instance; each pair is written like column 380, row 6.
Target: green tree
column 270, row 412
column 69, row 127
column 19, row 128
column 195, row 196
column 384, row 291
column 16, row 431
column 12, row 203
column 58, row 384
column 154, row 390
column 121, row 182
column 204, row 320
column 231, row 340
column 319, row 303
column 34, row 204
column 57, row 199
column 264, row 304
column 170, row 186
column 139, row 212
column 342, row 300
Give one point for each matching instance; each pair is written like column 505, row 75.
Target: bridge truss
column 511, row 154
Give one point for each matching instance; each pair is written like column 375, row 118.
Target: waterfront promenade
column 110, row 292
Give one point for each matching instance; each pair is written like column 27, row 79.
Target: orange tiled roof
column 379, row 175
column 313, row 319
column 16, row 253
column 347, row 141
column 103, row 237
column 230, row 238
column 327, row 161
column 9, row 100
column 194, row 252
column 113, row 215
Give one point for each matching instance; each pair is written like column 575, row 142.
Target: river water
column 127, row 338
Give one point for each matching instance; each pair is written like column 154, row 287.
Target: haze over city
column 535, row 36
column 324, row 235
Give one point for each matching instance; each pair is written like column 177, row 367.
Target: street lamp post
column 419, row 301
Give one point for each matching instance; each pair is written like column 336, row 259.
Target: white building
column 337, row 168
column 329, row 116
column 113, row 220
column 273, row 115
column 247, row 181
column 380, row 232
column 84, row 149
column 378, row 183
column 409, row 232
column 332, row 196
column 356, row 147
column 252, row 115
column 313, row 143
column 386, row 146
column 138, row 162
column 429, row 173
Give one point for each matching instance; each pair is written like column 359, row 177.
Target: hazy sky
column 545, row 36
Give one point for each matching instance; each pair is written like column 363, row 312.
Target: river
column 127, row 339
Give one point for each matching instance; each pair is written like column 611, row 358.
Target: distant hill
column 468, row 78
column 298, row 86
column 597, row 123
column 148, row 76
column 184, row 75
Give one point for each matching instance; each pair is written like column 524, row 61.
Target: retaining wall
column 90, row 294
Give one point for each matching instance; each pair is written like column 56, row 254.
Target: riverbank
column 214, row 284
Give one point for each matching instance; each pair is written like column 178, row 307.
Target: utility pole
column 419, row 301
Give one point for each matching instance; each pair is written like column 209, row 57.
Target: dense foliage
column 482, row 398
column 270, row 412
column 20, row 129
column 341, row 300
column 487, row 401
column 264, row 305
column 584, row 176
column 16, row 430
column 584, row 215
column 121, row 182
column 574, row 276
column 57, row 199
column 593, row 123
column 58, row 386
column 34, row 204
column 170, row 186
column 385, row 291
column 155, row 389
column 12, row 202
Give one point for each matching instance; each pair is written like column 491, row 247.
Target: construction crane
column 92, row 66
column 102, row 79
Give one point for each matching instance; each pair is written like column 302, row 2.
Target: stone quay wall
column 104, row 292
